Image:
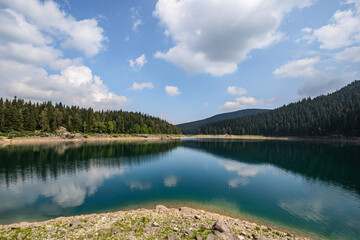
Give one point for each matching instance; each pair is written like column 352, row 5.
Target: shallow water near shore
column 306, row 186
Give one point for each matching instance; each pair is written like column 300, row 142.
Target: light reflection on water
column 310, row 187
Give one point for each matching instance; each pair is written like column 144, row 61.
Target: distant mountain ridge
column 337, row 113
column 192, row 127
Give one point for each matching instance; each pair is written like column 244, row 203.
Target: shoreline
column 29, row 140
column 155, row 223
column 255, row 137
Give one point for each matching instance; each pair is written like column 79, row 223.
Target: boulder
column 161, row 208
column 186, row 209
column 75, row 223
column 78, row 136
column 220, row 226
column 197, row 237
column 226, row 235
column 172, row 236
column 187, row 233
column 212, row 237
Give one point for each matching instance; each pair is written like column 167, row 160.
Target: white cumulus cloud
column 214, row 36
column 234, row 90
column 343, row 29
column 350, row 54
column 33, row 37
column 138, row 63
column 141, row 86
column 172, row 90
column 46, row 17
column 241, row 102
column 298, row 68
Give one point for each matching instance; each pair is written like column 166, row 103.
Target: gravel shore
column 158, row 223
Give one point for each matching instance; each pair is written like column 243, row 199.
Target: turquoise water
column 306, row 186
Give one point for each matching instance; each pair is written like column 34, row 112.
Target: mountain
column 337, row 113
column 192, row 127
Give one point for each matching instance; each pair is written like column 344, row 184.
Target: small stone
column 172, row 236
column 241, row 237
column 197, row 217
column 155, row 224
column 197, row 237
column 176, row 229
column 75, row 223
column 220, row 226
column 105, row 231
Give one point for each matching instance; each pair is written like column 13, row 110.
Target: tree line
column 332, row 114
column 20, row 115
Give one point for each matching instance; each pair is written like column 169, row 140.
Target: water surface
column 306, row 186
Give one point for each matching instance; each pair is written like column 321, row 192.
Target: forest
column 19, row 115
column 337, row 113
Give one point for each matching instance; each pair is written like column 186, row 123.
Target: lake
column 304, row 186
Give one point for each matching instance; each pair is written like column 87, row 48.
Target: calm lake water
column 306, row 186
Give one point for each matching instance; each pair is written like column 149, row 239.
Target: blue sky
column 181, row 60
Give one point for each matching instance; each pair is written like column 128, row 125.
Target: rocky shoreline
column 158, row 223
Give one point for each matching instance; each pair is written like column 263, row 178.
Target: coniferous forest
column 333, row 114
column 19, row 115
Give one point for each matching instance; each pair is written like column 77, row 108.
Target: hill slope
column 192, row 127
column 333, row 114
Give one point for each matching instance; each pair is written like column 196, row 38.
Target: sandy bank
column 101, row 138
column 158, row 138
column 158, row 223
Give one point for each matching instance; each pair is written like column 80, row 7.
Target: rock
column 187, row 233
column 78, row 136
column 172, row 236
column 262, row 238
column 155, row 224
column 61, row 130
column 212, row 237
column 186, row 209
column 197, row 237
column 176, row 229
column 13, row 227
column 161, row 208
column 105, row 231
column 75, row 223
column 220, row 226
column 204, row 226
column 197, row 217
column 67, row 135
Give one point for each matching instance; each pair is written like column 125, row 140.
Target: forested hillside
column 192, row 127
column 333, row 114
column 18, row 115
